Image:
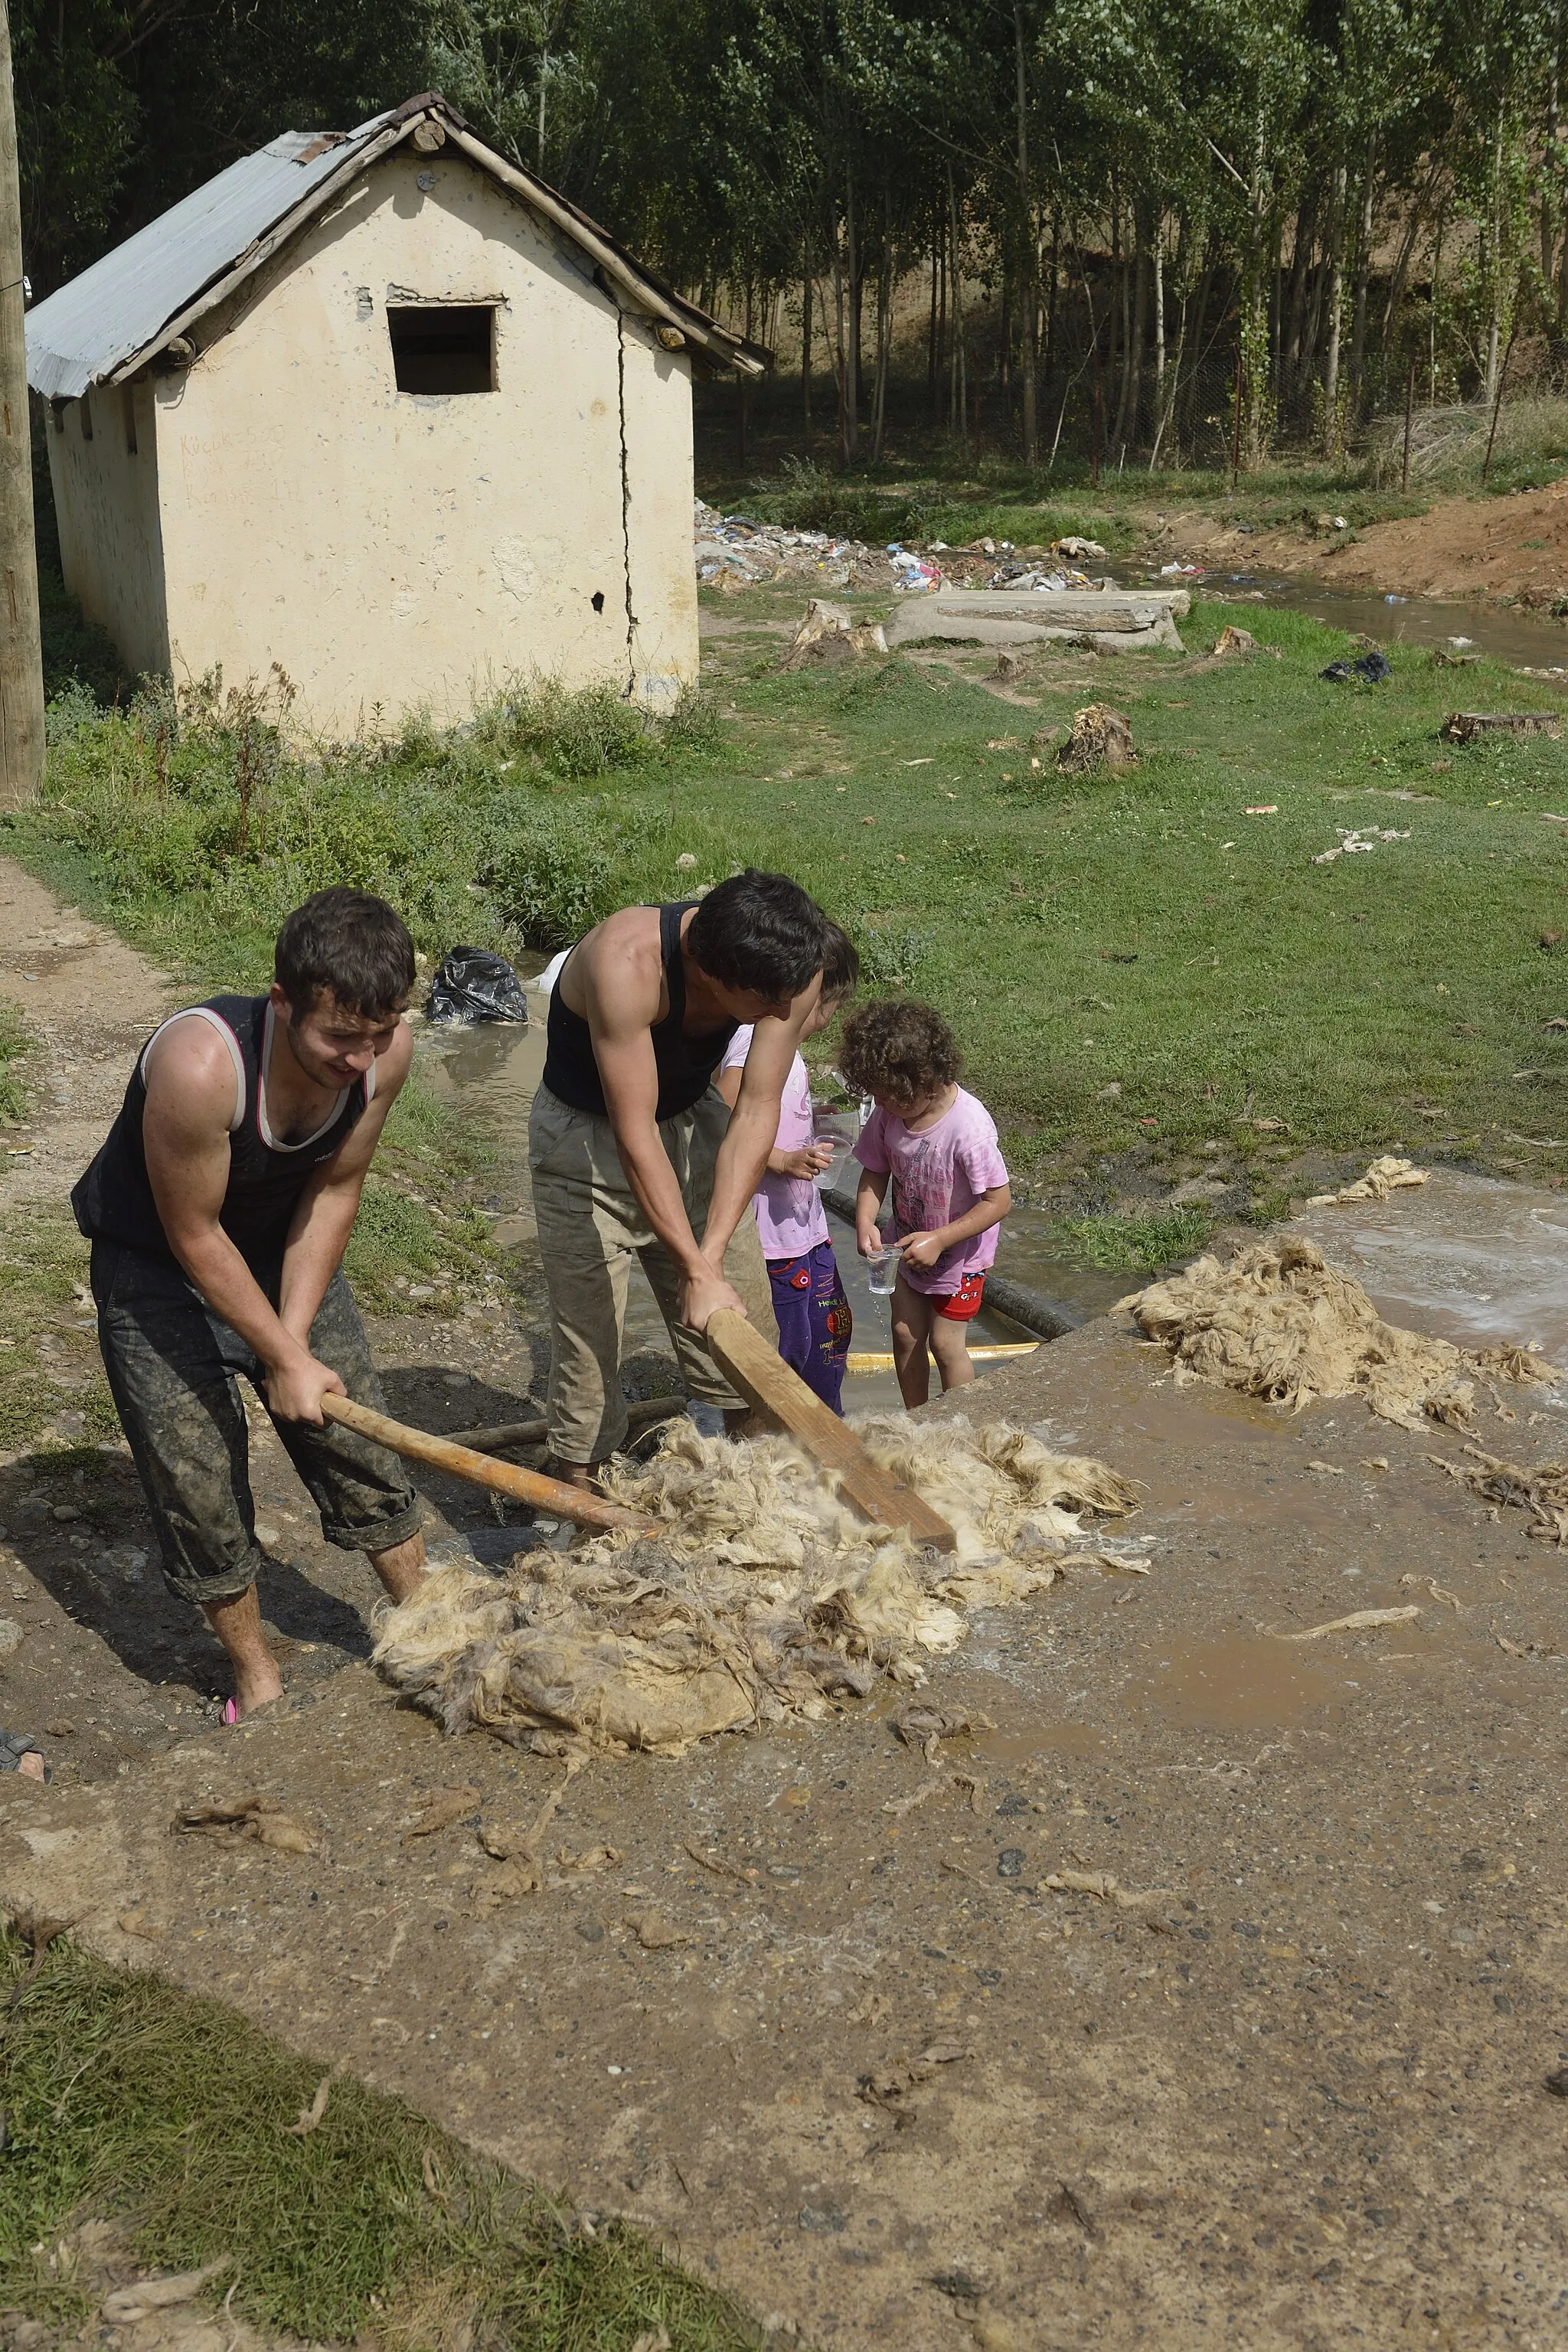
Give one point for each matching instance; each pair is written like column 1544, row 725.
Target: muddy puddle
column 1467, row 1259
column 1421, row 621
column 489, row 1073
column 1240, row 1682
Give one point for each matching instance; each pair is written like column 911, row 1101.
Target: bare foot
column 237, row 1624
column 582, row 1475
column 745, row 1423
column 402, row 1568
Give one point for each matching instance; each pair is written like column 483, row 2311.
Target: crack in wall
column 626, row 498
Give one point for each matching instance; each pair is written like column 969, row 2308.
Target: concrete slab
column 1112, row 621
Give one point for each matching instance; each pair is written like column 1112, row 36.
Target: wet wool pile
column 761, row 1595
column 1279, row 1323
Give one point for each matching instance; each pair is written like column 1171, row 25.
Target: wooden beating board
column 783, row 1401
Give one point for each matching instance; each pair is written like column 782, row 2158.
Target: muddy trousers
column 174, row 1369
column 590, row 1225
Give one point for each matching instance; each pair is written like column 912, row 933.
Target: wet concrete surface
column 1465, row 1257
column 1298, row 2099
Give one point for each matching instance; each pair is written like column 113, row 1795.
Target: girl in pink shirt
column 814, row 1317
column 950, row 1192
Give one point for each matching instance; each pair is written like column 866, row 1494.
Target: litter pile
column 1279, row 1323
column 762, row 1597
column 1384, row 1176
column 737, row 551
column 1358, row 840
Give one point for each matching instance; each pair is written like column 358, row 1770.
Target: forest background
column 1123, row 229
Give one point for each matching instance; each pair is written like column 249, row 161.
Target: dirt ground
column 878, row 2076
column 1512, row 548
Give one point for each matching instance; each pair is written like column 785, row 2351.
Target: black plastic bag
column 472, row 984
column 1369, row 671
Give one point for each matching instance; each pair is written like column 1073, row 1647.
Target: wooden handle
column 783, row 1399
column 482, row 1470
column 505, row 1434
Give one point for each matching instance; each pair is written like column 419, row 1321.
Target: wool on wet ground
column 762, row 1596
column 1278, row 1322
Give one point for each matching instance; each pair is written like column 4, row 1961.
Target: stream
column 1526, row 641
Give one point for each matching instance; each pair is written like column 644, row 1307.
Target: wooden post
column 1409, row 414
column 1236, row 421
column 21, row 656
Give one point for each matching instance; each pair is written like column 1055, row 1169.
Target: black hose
column 1031, row 1310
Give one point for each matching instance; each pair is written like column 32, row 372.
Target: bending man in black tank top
column 634, row 1150
column 219, row 1208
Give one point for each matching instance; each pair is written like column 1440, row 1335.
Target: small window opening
column 128, row 397
column 597, row 600
column 443, row 346
column 86, row 417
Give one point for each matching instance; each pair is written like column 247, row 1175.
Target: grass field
column 1132, row 961
column 128, row 2101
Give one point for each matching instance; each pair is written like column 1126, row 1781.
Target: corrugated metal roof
column 85, row 331
column 121, row 309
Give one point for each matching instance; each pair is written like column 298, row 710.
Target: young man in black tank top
column 633, row 1149
column 219, row 1209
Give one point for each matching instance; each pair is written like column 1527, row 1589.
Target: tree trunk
column 1363, row 273
column 852, row 351
column 1493, row 263
column 958, row 396
column 21, row 660
column 1336, row 304
column 805, row 340
column 838, row 350
column 884, row 344
column 1028, row 300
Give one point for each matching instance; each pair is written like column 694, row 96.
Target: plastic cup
column 882, row 1273
column 829, row 1128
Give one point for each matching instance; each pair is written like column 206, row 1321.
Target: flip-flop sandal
column 14, row 1745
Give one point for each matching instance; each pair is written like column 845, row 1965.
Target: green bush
column 807, row 497
column 555, row 881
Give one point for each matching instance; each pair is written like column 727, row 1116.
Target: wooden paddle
column 550, row 1495
column 784, row 1401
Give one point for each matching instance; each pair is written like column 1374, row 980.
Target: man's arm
column 807, row 1162
column 190, row 1102
column 318, row 1234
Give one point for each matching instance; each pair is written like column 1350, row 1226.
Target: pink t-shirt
column 938, row 1176
column 791, row 1218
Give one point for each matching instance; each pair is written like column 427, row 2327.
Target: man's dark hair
column 840, row 963
column 899, row 1048
column 761, row 933
column 348, row 943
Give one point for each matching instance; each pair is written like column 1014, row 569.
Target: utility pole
column 21, row 657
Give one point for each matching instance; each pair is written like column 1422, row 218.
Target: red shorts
column 963, row 1303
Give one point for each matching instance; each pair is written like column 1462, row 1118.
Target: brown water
column 489, row 1073
column 1505, row 635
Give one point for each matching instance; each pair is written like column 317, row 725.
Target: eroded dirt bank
column 865, row 2064
column 1512, row 548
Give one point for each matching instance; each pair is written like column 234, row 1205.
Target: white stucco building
column 388, row 410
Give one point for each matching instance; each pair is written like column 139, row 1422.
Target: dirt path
column 880, row 2077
